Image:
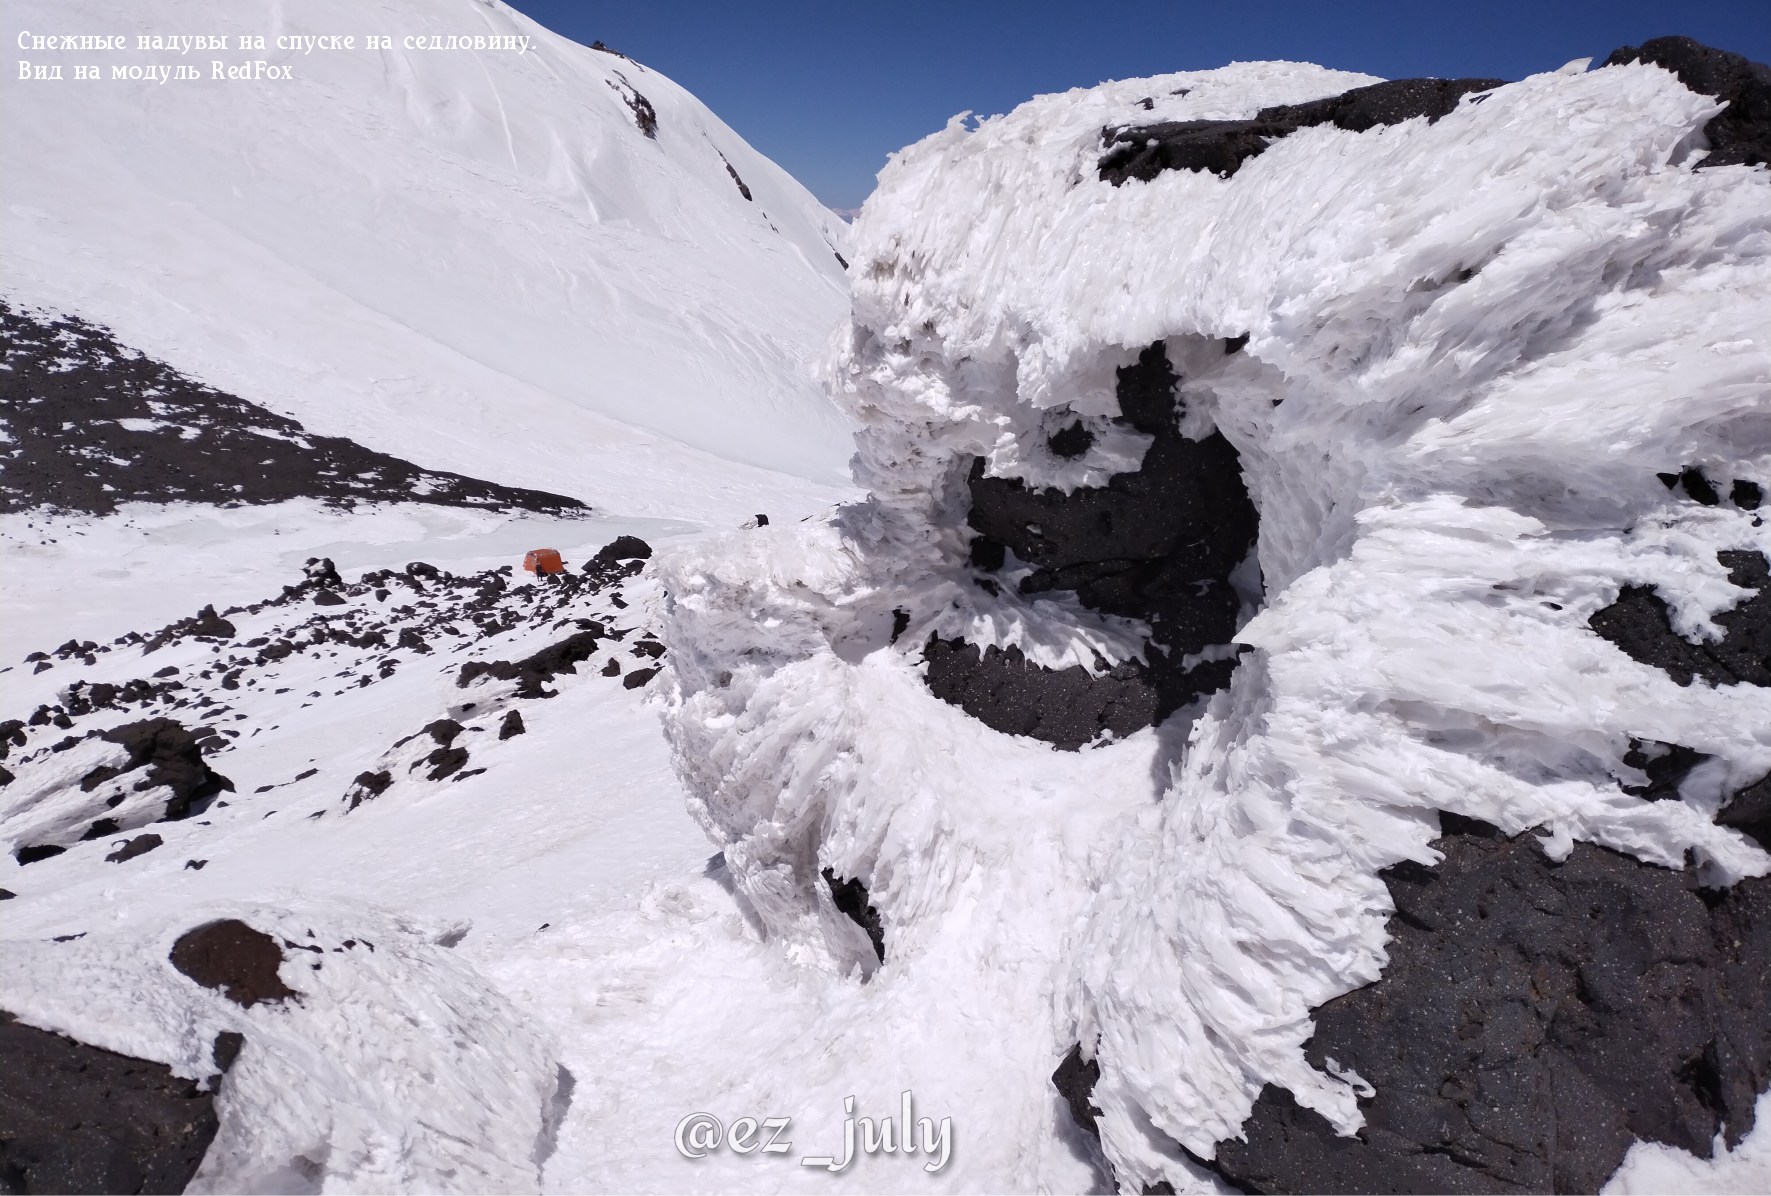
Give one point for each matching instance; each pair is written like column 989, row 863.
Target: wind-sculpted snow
column 1462, row 350
column 390, row 1066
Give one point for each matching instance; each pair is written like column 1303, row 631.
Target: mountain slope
column 474, row 259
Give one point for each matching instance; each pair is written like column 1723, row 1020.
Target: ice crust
column 1472, row 345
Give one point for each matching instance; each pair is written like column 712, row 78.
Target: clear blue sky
column 829, row 89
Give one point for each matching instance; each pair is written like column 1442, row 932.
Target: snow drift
column 1453, row 355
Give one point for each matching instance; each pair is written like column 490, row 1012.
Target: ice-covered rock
column 1453, row 355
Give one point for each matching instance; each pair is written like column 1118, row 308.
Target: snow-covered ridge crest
column 1472, row 344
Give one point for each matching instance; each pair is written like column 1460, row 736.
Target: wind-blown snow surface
column 473, row 260
column 1471, row 347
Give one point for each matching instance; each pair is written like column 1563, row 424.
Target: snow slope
column 1472, row 345
column 472, row 259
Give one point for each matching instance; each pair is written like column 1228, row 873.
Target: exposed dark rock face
column 1534, row 1020
column 74, row 1118
column 1222, row 146
column 850, row 897
column 1739, row 135
column 644, row 115
column 742, row 189
column 1158, row 544
column 1075, row 1081
column 233, row 957
column 1065, row 707
column 146, row 433
column 172, row 757
column 1638, row 623
column 638, row 678
column 512, row 726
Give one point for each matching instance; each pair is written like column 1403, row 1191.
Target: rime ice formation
column 1452, row 356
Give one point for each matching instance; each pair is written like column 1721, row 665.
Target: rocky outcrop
column 1158, row 544
column 1221, row 146
column 1739, row 135
column 74, row 1118
column 1534, row 1020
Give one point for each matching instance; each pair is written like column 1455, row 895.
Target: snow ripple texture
column 1472, row 345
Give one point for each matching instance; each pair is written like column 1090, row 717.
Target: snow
column 481, row 264
column 473, row 260
column 1472, row 345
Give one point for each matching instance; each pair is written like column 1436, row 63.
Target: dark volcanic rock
column 533, row 671
column 1158, row 544
column 624, row 548
column 1222, row 146
column 172, row 757
column 233, row 957
column 146, row 433
column 1075, row 1081
column 368, row 786
column 1065, row 707
column 1534, row 1019
column 1749, row 812
column 512, row 726
column 1739, row 135
column 140, row 845
column 74, row 1118
column 851, row 898
column 1639, row 624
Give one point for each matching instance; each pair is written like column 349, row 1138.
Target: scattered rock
column 1064, row 707
column 638, row 678
column 512, row 726
column 150, row 434
column 233, row 957
column 74, row 1118
column 140, row 845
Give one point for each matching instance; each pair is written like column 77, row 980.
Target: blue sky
column 829, row 89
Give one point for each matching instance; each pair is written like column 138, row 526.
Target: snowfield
column 551, row 866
